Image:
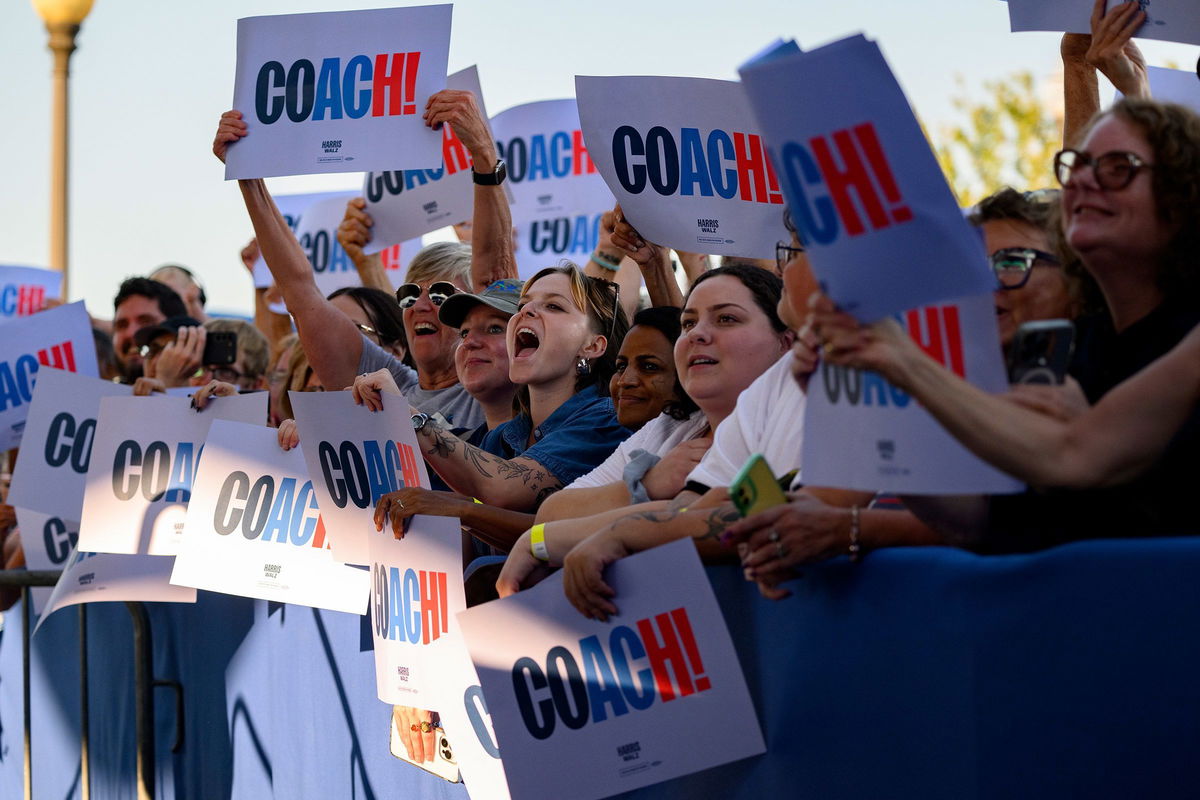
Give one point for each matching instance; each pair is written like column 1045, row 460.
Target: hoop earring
column 583, row 367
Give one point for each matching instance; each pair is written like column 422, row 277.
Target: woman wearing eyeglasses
column 562, row 346
column 1131, row 228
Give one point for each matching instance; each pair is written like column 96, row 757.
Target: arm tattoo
column 478, row 459
column 715, row 522
column 443, row 443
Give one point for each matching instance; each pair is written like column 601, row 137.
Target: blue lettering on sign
column 263, row 511
column 362, row 475
column 58, row 539
column 690, row 164
column 545, row 156
column 69, row 441
column 158, row 473
column 410, row 606
column 564, row 235
column 16, row 381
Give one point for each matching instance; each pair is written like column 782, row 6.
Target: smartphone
column 754, row 488
column 220, row 348
column 1041, row 351
column 443, row 764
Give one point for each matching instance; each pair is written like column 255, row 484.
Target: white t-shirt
column 657, row 436
column 768, row 419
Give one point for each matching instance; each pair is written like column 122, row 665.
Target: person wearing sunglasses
column 336, row 347
column 561, row 360
column 1130, row 211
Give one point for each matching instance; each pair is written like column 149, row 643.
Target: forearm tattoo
column 715, row 521
column 487, row 465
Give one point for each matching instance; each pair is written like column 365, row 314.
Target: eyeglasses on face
column 408, row 293
column 226, row 374
column 1113, row 171
column 1012, row 265
column 785, row 253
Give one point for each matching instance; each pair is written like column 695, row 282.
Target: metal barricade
column 144, row 685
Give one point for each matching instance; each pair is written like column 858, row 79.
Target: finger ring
column 415, row 728
column 426, row 727
column 401, row 503
column 780, row 550
column 773, row 536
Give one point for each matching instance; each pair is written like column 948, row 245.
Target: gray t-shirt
column 453, row 402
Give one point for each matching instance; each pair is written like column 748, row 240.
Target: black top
column 1160, row 501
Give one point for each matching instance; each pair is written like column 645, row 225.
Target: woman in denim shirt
column 562, row 346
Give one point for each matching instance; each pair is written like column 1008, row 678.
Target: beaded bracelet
column 607, row 263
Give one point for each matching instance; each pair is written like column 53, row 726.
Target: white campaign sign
column 1166, row 20
column 1175, row 86
column 47, row 541
column 292, row 207
column 317, row 234
column 107, row 577
column 59, row 338
column 468, row 725
column 883, row 230
column 354, row 458
column 544, row 243
column 407, row 204
column 143, row 464
column 557, row 190
column 686, row 162
column 339, row 91
column 588, row 709
column 860, row 432
column 52, row 470
column 253, row 528
column 416, row 593
column 24, row 289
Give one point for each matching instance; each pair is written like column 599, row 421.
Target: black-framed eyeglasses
column 408, row 293
column 1012, row 265
column 785, row 253
column 1113, row 171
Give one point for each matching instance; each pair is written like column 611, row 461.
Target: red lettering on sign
column 676, row 640
column 398, row 85
column 581, row 159
column 60, row 356
column 435, row 609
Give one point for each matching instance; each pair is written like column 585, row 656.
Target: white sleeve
column 728, row 453
column 612, row 469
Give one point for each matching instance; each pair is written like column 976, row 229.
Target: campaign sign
column 588, row 709
column 292, row 207
column 47, row 541
column 253, row 528
column 883, row 230
column 317, row 233
column 407, row 204
column 355, row 457
column 1175, row 86
column 108, row 577
column 23, row 290
column 685, row 161
column 544, row 243
column 144, row 459
column 416, row 591
column 468, row 725
column 338, row 91
column 57, row 447
column 860, row 432
column 60, row 338
column 1166, row 20
column 555, row 183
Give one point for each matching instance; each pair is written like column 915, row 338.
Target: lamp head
column 62, row 12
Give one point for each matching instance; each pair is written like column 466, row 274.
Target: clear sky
column 150, row 79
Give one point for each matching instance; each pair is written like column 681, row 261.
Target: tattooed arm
column 518, row 484
column 583, row 568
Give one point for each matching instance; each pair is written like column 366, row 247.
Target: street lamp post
column 62, row 18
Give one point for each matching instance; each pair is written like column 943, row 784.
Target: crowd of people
column 568, row 424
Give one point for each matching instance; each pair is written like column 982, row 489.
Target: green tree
column 1006, row 139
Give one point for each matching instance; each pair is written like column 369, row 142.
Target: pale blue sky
column 150, row 80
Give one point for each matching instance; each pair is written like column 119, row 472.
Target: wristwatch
column 420, row 420
column 493, row 178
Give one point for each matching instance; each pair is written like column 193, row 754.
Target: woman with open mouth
column 562, row 346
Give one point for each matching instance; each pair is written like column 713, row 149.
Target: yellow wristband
column 537, row 542
column 477, row 501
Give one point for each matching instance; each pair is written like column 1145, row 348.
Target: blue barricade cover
column 927, row 672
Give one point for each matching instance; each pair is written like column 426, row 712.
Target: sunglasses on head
column 408, row 293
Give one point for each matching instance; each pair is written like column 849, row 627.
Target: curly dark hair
column 1173, row 133
column 665, row 320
